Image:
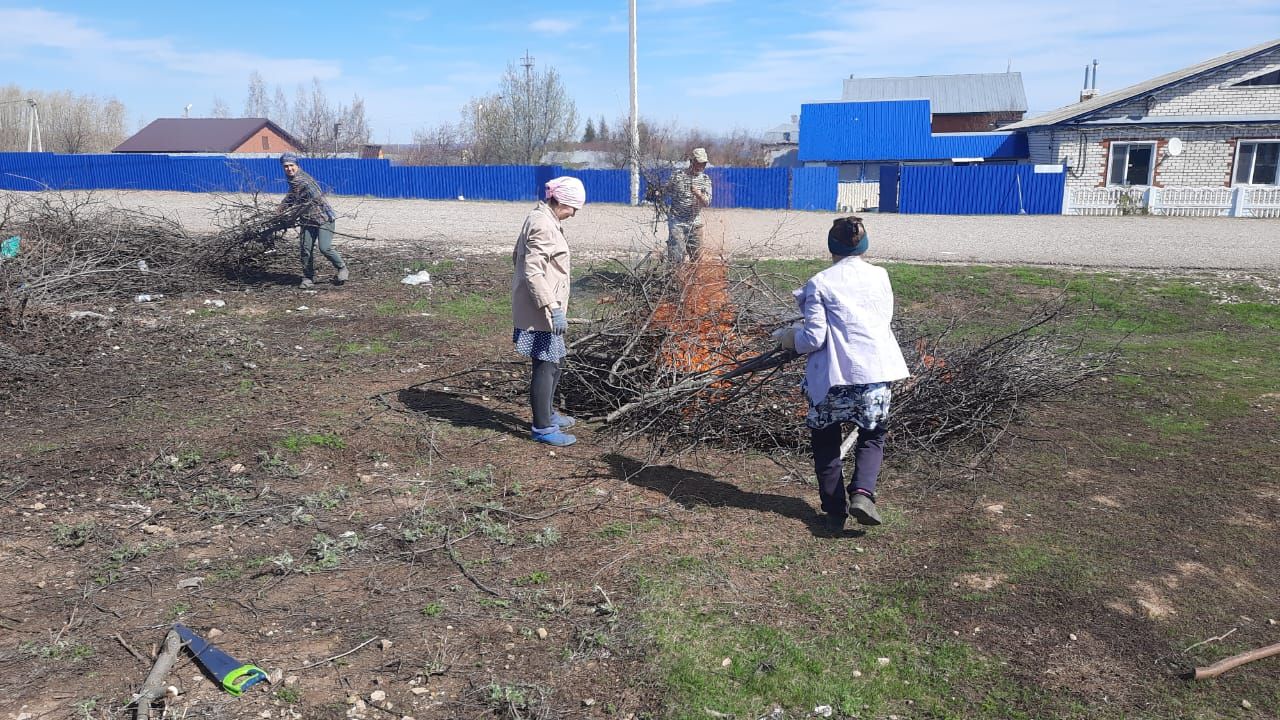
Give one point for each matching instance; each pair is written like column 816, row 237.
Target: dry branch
column 683, row 356
column 1235, row 661
column 153, row 687
column 78, row 249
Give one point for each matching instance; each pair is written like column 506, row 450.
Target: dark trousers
column 868, row 454
column 542, row 391
column 311, row 237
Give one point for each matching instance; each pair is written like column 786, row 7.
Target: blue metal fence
column 981, row 189
column 734, row 187
column 923, row 189
column 815, row 188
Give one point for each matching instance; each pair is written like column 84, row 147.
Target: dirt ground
column 338, row 482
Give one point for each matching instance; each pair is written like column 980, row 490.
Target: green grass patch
column 1259, row 316
column 372, row 347
column 297, row 442
column 830, row 655
column 476, row 308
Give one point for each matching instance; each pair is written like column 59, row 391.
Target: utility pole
column 634, row 149
column 528, row 108
column 33, row 125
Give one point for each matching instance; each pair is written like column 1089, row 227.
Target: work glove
column 786, row 337
column 560, row 323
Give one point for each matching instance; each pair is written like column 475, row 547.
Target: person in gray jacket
column 306, row 207
column 540, row 303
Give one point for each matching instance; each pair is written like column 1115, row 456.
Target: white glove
column 786, row 337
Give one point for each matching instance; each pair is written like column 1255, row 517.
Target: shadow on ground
column 462, row 411
column 691, row 488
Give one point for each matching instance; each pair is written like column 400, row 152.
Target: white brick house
column 1224, row 114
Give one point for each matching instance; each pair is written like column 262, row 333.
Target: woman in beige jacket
column 540, row 302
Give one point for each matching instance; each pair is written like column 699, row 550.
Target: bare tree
column 319, row 126
column 220, row 108
column 444, row 144
column 542, row 113
column 256, row 105
column 69, row 123
column 668, row 145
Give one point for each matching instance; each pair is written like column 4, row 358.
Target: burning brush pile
column 683, row 356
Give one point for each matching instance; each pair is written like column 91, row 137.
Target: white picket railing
column 1190, row 201
column 1246, row 201
column 1263, row 202
column 1103, row 201
column 857, row 196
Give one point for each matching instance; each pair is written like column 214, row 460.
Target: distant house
column 958, row 103
column 210, row 135
column 579, row 159
column 1215, row 124
column 781, row 143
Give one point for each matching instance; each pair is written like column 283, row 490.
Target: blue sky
column 718, row 65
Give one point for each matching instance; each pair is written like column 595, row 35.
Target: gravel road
column 612, row 230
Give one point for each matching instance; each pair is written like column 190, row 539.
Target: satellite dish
column 1175, row 147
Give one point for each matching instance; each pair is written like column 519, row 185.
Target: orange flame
column 700, row 319
column 932, row 362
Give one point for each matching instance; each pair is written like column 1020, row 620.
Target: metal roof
column 1102, row 102
column 1185, row 120
column 949, row 94
column 217, row 135
column 891, row 131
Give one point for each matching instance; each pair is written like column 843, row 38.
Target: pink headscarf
column 567, row 191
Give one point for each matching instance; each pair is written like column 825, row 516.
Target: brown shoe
column 863, row 509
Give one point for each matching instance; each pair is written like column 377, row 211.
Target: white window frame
column 1235, row 164
column 1151, row 172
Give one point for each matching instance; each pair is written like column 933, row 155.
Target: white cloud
column 1048, row 43
column 552, row 27
column 68, row 39
column 413, row 15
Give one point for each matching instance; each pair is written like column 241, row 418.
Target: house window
column 266, row 142
column 1256, row 162
column 1268, row 78
column 1131, row 163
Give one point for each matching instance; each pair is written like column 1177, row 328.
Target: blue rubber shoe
column 552, row 436
column 564, row 422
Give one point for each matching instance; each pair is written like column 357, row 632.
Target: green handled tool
column 234, row 676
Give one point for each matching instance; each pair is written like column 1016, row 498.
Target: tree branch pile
column 76, row 249
column 684, row 357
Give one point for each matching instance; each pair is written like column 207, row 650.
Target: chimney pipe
column 1086, row 77
column 1095, row 74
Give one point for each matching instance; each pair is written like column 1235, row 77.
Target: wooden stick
column 127, row 646
column 153, row 687
column 1216, row 669
column 335, row 657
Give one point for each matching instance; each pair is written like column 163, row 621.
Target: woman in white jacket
column 540, row 302
column 853, row 358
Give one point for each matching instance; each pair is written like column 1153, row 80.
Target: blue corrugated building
column 894, row 131
column 869, row 143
